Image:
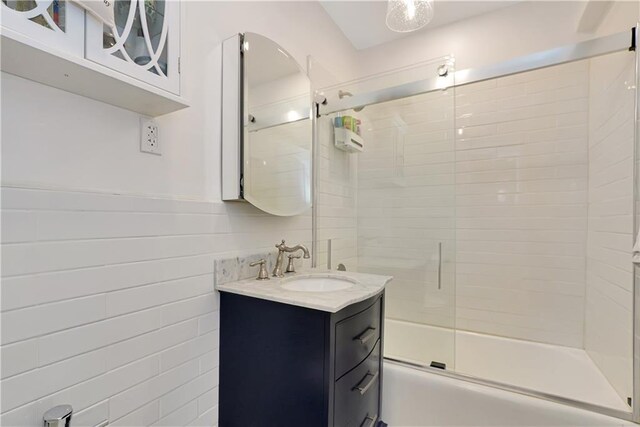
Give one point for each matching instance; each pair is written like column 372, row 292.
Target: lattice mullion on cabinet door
column 145, row 30
column 154, row 55
column 50, row 19
column 39, row 24
column 127, row 29
column 135, row 51
column 39, row 9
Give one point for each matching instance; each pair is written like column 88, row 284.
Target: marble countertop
column 365, row 286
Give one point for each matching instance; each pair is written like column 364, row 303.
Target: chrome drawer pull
column 363, row 389
column 366, row 335
column 371, row 421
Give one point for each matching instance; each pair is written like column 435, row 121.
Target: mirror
column 277, row 133
column 266, row 126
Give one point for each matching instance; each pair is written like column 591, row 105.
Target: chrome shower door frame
column 635, row 407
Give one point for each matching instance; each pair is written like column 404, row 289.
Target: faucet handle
column 263, row 274
column 291, row 268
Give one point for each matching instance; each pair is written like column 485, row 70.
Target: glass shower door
column 406, row 222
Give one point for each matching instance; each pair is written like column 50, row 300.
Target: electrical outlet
column 149, row 136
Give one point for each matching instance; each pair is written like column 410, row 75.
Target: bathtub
column 412, row 397
column 545, row 368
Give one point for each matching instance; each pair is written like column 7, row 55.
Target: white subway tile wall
column 337, row 196
column 609, row 294
column 521, row 204
column 108, row 303
column 406, row 206
column 506, row 195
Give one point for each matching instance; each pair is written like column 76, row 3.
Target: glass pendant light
column 404, row 16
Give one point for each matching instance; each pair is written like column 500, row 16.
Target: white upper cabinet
column 134, row 65
column 145, row 42
column 56, row 24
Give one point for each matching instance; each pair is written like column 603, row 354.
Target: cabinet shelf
column 28, row 58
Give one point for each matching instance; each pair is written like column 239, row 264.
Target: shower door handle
column 439, row 265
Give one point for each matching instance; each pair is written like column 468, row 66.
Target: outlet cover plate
column 149, row 136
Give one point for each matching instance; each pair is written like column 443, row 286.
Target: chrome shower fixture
column 343, row 93
column 443, row 70
column 320, row 98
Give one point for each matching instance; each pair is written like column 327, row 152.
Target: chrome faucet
column 58, row 416
column 282, row 248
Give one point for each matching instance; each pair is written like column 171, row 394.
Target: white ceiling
column 363, row 22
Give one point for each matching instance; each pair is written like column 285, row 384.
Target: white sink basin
column 317, row 284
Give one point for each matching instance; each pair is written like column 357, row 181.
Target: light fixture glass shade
column 404, row 16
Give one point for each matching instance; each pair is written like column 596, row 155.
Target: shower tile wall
column 608, row 317
column 521, row 205
column 337, row 196
column 519, row 194
column 406, row 204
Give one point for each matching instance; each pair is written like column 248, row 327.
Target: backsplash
column 237, row 267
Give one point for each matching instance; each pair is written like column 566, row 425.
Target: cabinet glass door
column 53, row 24
column 144, row 43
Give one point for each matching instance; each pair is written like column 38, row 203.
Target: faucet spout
column 304, row 249
column 282, row 248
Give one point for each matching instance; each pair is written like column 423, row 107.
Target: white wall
column 107, row 293
column 75, row 142
column 485, row 39
column 527, row 27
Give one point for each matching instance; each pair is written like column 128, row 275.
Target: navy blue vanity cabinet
column 287, row 366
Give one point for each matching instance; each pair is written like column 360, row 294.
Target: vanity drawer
column 357, row 394
column 355, row 338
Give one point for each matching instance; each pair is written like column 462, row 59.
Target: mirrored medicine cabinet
column 266, row 126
